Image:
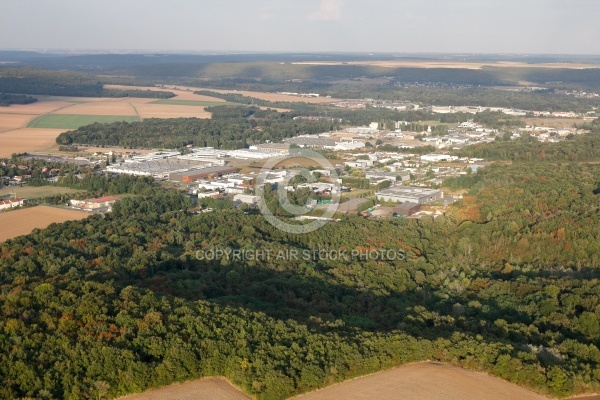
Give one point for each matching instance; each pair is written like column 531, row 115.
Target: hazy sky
column 481, row 26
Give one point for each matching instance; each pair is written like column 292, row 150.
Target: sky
column 396, row 26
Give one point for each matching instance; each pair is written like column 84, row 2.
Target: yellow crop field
column 99, row 108
column 431, row 381
column 171, row 111
column 21, row 222
column 27, row 140
column 13, row 121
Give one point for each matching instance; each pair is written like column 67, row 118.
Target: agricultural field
column 36, row 192
column 152, row 110
column 109, row 107
column 34, row 127
column 214, row 388
column 558, row 123
column 21, row 222
column 431, row 381
column 27, row 140
column 196, row 103
column 9, row 122
column 427, row 380
column 74, row 121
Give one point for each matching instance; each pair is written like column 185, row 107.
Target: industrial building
column 160, row 169
column 192, row 175
column 282, row 149
column 94, row 204
column 410, row 194
column 312, row 141
column 406, row 209
column 247, row 198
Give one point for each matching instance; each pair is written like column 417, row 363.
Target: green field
column 193, row 103
column 74, row 121
column 36, row 192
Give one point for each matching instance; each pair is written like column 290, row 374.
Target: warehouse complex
column 410, row 194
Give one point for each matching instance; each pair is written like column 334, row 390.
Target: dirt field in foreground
column 214, row 388
column 418, row 381
column 21, row 222
column 431, row 381
column 27, row 140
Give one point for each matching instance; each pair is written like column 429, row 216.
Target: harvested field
column 74, row 121
column 171, row 111
column 196, row 103
column 21, row 222
column 99, row 108
column 431, row 381
column 38, row 108
column 554, row 122
column 14, row 121
column 27, row 140
column 214, row 388
column 36, row 192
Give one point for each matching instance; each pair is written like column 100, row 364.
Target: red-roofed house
column 11, row 203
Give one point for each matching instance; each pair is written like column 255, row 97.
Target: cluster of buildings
column 12, row 203
column 325, row 141
column 389, row 104
column 101, row 204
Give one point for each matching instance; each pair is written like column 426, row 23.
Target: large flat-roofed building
column 311, row 141
column 94, row 204
column 159, row 169
column 193, row 175
column 273, row 148
column 411, row 194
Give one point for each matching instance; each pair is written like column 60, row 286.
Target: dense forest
column 26, row 80
column 230, row 128
column 7, row 99
column 506, row 282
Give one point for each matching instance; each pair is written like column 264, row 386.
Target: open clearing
column 196, row 103
column 559, row 123
column 27, row 140
column 171, row 111
column 74, row 121
column 36, row 192
column 428, row 380
column 21, row 222
column 213, row 388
